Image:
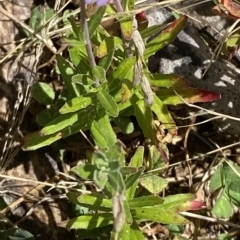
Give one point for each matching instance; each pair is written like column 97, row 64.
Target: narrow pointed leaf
column 109, row 44
column 77, row 104
column 102, row 132
column 108, row 102
column 174, row 201
column 164, row 115
column 126, row 27
column 95, row 202
column 67, row 73
column 158, row 215
column 190, row 95
column 145, row 201
column 79, row 58
column 34, row 141
column 165, row 37
column 95, row 20
column 150, row 31
column 145, row 120
column 136, row 161
column 90, row 221
column 84, row 171
column 43, row 93
column 168, row 81
column 60, row 123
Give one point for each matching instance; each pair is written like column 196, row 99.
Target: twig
column 194, row 215
column 87, row 40
column 190, row 159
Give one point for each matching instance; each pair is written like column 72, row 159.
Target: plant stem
column 87, row 40
column 126, row 44
column 118, row 6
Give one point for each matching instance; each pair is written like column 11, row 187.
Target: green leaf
column 67, row 73
column 224, row 236
column 154, row 184
column 100, row 178
column 144, row 117
column 126, row 25
column 132, row 179
column 77, row 103
column 107, row 102
column 131, row 232
column 115, row 180
column 174, row 201
column 115, row 152
column 164, row 115
column 34, row 21
column 83, row 79
column 150, row 31
column 99, row 73
column 95, row 20
column 216, row 179
column 47, row 115
column 95, row 202
column 125, row 124
column 106, row 61
column 155, row 158
column 108, row 46
column 78, row 32
column 234, row 192
column 165, row 37
column 159, row 215
column 124, row 70
column 61, row 122
column 136, row 161
column 79, row 58
column 168, row 81
column 34, row 141
column 127, row 211
column 84, row 171
column 15, row 234
column 190, row 95
column 175, row 229
column 43, row 93
column 145, row 201
column 102, row 132
column 222, row 208
column 90, row 221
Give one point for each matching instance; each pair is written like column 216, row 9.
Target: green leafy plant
column 226, row 179
column 123, row 203
column 106, row 82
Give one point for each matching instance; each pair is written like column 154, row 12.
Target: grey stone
column 188, row 56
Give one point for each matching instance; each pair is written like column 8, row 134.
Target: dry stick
column 218, row 49
column 193, row 215
column 190, row 159
column 10, row 53
column 187, row 157
column 48, row 42
column 41, row 185
column 226, row 160
column 21, row 199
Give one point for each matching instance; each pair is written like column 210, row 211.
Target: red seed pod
column 142, row 20
column 141, row 17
